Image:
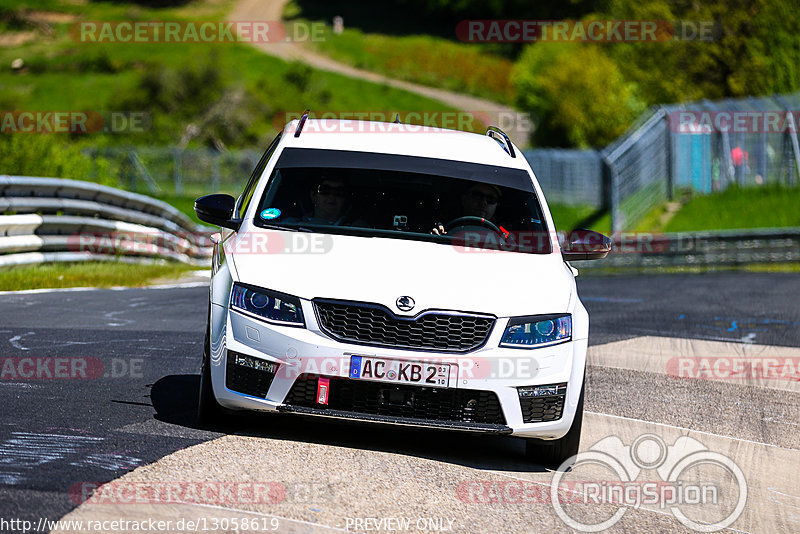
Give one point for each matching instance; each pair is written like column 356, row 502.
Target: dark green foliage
column 195, row 103
column 585, row 98
column 51, row 156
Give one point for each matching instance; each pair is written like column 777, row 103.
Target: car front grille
column 543, row 408
column 247, row 380
column 371, row 324
column 396, row 400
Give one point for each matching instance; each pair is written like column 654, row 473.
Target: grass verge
column 771, row 206
column 184, row 204
column 88, row 274
column 423, row 59
column 567, row 217
column 230, row 89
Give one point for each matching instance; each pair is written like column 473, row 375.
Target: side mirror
column 217, row 210
column 585, row 245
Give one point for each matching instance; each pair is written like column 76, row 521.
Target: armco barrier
column 685, row 249
column 54, row 219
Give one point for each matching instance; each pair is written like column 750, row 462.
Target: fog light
column 542, row 391
column 254, row 363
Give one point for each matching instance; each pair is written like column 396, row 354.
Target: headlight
column 537, row 331
column 269, row 305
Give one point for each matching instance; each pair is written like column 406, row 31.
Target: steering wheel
column 471, row 219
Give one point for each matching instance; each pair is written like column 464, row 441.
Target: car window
column 244, row 199
column 473, row 205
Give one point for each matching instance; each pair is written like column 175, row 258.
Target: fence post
column 177, row 170
column 669, row 142
column 611, row 179
column 795, row 145
column 214, row 171
column 762, row 146
column 132, row 182
column 791, row 131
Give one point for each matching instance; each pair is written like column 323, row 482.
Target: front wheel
column 553, row 453
column 209, row 410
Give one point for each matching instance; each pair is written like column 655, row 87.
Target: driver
column 479, row 200
column 329, row 202
column 329, row 198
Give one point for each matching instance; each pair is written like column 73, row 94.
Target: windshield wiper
column 288, row 228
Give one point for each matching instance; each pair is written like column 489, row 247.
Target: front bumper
column 307, row 352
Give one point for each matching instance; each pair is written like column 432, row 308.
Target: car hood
column 380, row 270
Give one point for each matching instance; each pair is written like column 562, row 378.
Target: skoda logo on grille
column 405, row 303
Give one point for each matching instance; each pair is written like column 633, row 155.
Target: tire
column 552, row 453
column 209, row 411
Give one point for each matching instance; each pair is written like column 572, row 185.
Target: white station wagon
column 395, row 274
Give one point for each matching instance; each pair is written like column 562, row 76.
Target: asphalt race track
column 99, row 383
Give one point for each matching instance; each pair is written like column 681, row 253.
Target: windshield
column 404, row 197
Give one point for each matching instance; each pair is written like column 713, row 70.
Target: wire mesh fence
column 747, row 142
column 569, row 176
column 702, row 146
column 176, row 171
column 638, row 171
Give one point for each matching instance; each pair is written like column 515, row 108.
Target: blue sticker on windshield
column 271, row 213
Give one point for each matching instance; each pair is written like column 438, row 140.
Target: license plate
column 400, row 371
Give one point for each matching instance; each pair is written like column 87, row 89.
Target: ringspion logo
column 704, row 490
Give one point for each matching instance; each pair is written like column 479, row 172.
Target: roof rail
column 302, row 123
column 494, row 131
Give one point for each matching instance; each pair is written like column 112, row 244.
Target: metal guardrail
column 686, row 249
column 54, row 219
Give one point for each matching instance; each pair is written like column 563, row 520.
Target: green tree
column 754, row 50
column 51, row 156
column 577, row 93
